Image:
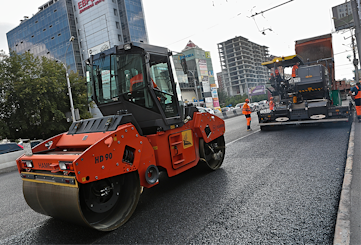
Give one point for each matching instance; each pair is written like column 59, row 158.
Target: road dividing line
column 343, row 223
column 243, row 137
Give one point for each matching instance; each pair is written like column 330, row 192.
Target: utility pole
column 356, row 20
column 355, row 60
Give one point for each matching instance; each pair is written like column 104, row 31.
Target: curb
column 342, row 229
column 8, row 169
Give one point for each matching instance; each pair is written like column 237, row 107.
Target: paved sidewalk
column 356, row 188
column 348, row 223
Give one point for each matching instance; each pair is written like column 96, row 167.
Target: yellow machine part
column 104, row 205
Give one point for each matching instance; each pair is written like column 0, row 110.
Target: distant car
column 254, row 106
column 9, row 152
column 32, row 143
column 205, row 109
column 239, row 106
column 225, row 109
column 263, row 104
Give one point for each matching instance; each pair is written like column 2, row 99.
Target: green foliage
column 225, row 100
column 34, row 99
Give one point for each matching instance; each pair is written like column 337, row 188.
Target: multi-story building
column 96, row 25
column 241, row 66
column 200, row 82
column 47, row 33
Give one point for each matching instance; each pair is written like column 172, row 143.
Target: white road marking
column 229, row 143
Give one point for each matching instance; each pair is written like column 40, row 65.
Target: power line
column 202, row 31
column 270, row 9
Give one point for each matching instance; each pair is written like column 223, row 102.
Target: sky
column 172, row 23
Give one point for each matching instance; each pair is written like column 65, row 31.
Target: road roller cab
column 93, row 174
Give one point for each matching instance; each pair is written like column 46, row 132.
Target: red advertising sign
column 87, row 4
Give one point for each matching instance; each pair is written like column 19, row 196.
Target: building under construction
column 241, row 65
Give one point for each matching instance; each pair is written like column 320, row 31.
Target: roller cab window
column 118, row 76
column 162, row 85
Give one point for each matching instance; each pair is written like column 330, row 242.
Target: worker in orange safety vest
column 271, row 103
column 355, row 93
column 246, row 110
column 294, row 68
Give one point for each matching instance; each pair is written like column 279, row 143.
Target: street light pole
column 68, row 81
column 195, row 85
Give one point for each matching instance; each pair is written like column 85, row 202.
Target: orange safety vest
column 358, row 95
column 294, row 68
column 271, row 105
column 246, row 110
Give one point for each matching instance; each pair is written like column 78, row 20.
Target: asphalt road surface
column 277, row 187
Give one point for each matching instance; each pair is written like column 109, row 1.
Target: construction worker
column 271, row 103
column 246, row 110
column 355, row 93
column 294, row 68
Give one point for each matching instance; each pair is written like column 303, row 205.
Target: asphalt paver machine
column 304, row 99
column 93, row 174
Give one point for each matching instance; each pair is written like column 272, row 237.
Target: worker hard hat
column 247, row 100
column 271, row 98
column 277, row 72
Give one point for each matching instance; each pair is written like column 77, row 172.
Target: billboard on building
column 258, row 90
column 342, row 16
column 206, row 87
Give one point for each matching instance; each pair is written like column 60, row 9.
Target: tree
column 222, row 96
column 33, row 96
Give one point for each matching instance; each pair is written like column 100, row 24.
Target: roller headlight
column 65, row 165
column 28, row 163
column 127, row 46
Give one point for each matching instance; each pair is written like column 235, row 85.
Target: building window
column 115, row 12
column 44, row 29
column 80, row 44
column 117, row 24
column 50, row 26
column 52, row 38
column 55, row 10
column 59, row 34
column 32, row 36
column 76, row 20
column 119, row 38
column 36, row 22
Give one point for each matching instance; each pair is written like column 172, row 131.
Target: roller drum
column 103, row 205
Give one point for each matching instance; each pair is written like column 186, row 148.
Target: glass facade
column 47, row 33
column 133, row 23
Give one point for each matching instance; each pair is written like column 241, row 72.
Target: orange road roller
column 93, row 174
